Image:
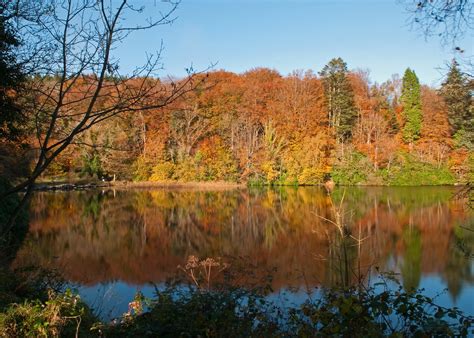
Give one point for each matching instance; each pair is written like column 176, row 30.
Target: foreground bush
column 61, row 315
column 177, row 312
column 204, row 310
column 347, row 313
column 367, row 313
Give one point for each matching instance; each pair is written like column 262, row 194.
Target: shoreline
column 214, row 185
column 192, row 185
column 143, row 185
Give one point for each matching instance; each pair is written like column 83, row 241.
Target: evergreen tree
column 11, row 78
column 411, row 102
column 457, row 95
column 393, row 126
column 339, row 96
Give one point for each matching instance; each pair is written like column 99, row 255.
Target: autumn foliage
column 265, row 128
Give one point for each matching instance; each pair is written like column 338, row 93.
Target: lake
column 109, row 244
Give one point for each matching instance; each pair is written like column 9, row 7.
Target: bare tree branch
column 78, row 84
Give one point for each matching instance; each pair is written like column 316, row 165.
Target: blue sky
column 291, row 34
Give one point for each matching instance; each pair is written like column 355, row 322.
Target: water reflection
column 137, row 237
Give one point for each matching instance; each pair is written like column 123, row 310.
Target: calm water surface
column 112, row 244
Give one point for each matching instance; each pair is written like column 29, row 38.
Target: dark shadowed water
column 112, row 244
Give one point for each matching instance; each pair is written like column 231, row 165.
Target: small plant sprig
column 200, row 271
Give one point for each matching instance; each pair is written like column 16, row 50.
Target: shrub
column 142, row 169
column 409, row 171
column 223, row 308
column 185, row 170
column 163, row 171
column 346, row 312
column 351, row 169
column 368, row 312
column 311, row 176
column 62, row 314
column 177, row 312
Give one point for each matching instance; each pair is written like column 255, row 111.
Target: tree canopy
column 411, row 103
column 339, row 98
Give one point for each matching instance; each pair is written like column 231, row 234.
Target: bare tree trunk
column 64, row 102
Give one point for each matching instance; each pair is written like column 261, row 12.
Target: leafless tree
column 68, row 49
column 188, row 127
column 448, row 19
column 69, row 46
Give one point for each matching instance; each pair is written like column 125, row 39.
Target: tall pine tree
column 411, row 102
column 11, row 79
column 342, row 113
column 457, row 95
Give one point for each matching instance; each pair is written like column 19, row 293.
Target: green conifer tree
column 411, row 102
column 393, row 126
column 457, row 95
column 342, row 113
column 11, row 78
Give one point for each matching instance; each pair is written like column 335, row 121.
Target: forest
column 260, row 127
column 72, row 111
column 70, row 114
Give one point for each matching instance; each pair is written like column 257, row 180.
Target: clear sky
column 291, row 34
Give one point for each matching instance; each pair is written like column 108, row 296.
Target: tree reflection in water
column 142, row 236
